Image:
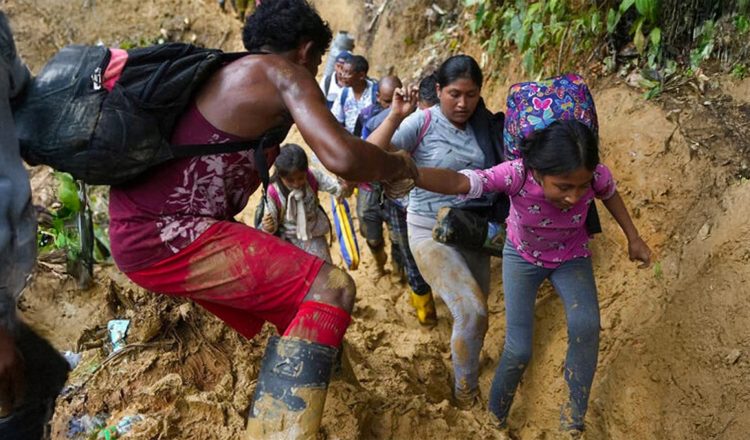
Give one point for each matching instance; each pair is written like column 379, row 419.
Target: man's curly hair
column 281, row 25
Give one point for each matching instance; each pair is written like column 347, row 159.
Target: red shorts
column 238, row 273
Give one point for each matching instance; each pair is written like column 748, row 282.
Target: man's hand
column 639, row 250
column 397, row 189
column 11, row 374
column 404, row 101
column 269, row 225
column 407, row 168
column 347, row 188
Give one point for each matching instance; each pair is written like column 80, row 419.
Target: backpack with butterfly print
column 534, row 105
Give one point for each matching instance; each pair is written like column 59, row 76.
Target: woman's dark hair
column 562, row 147
column 427, row 92
column 291, row 158
column 457, row 67
column 281, row 25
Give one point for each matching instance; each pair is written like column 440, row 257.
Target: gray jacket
column 17, row 219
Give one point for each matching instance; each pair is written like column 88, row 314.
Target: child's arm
column 637, row 248
column 443, row 181
column 270, row 222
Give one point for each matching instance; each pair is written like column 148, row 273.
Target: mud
column 675, row 353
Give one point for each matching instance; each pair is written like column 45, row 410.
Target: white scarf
column 295, row 211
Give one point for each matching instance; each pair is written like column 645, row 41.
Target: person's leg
column 238, row 268
column 421, row 293
column 398, row 265
column 45, row 373
column 451, row 278
column 521, row 280
column 574, row 282
column 371, row 227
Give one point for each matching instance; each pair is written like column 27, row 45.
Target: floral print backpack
column 534, row 105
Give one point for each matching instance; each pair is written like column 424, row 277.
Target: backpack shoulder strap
column 425, row 127
column 312, row 181
column 343, row 96
column 374, row 93
column 273, row 194
column 327, row 83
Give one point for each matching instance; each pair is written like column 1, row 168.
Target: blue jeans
column 574, row 282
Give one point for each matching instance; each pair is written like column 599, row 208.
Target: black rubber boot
column 46, row 372
column 291, row 390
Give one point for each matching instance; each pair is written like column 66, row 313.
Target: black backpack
column 69, row 121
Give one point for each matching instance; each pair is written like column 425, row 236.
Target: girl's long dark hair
column 562, row 147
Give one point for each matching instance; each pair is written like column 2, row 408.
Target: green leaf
column 625, row 5
column 596, row 23
column 657, row 270
column 536, row 35
column 68, row 192
column 613, row 18
column 648, row 9
column 639, row 40
column 529, row 61
column 654, row 37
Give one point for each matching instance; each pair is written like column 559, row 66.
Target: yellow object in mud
column 344, row 226
column 425, row 307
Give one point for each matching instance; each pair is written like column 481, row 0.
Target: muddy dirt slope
column 675, row 352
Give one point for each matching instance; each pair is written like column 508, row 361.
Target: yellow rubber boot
column 425, row 307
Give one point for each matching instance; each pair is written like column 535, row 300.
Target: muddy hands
column 404, row 179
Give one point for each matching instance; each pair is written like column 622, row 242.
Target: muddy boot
column 466, row 400
column 398, row 273
column 291, row 390
column 378, row 253
column 425, row 307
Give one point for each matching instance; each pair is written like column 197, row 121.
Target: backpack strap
column 273, row 194
column 343, row 96
column 327, row 83
column 374, row 94
column 272, row 137
column 425, row 127
column 312, row 181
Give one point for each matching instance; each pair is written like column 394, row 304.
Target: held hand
column 398, row 189
column 639, row 250
column 407, row 168
column 347, row 188
column 269, row 225
column 404, row 101
column 11, row 374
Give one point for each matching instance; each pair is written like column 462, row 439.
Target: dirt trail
column 675, row 352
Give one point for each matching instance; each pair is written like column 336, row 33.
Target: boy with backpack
column 332, row 84
column 360, row 91
column 172, row 229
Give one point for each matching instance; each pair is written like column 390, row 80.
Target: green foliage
column 539, row 31
column 704, row 44
column 62, row 231
column 740, row 71
column 658, row 273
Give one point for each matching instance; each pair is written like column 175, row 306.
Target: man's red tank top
column 162, row 212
